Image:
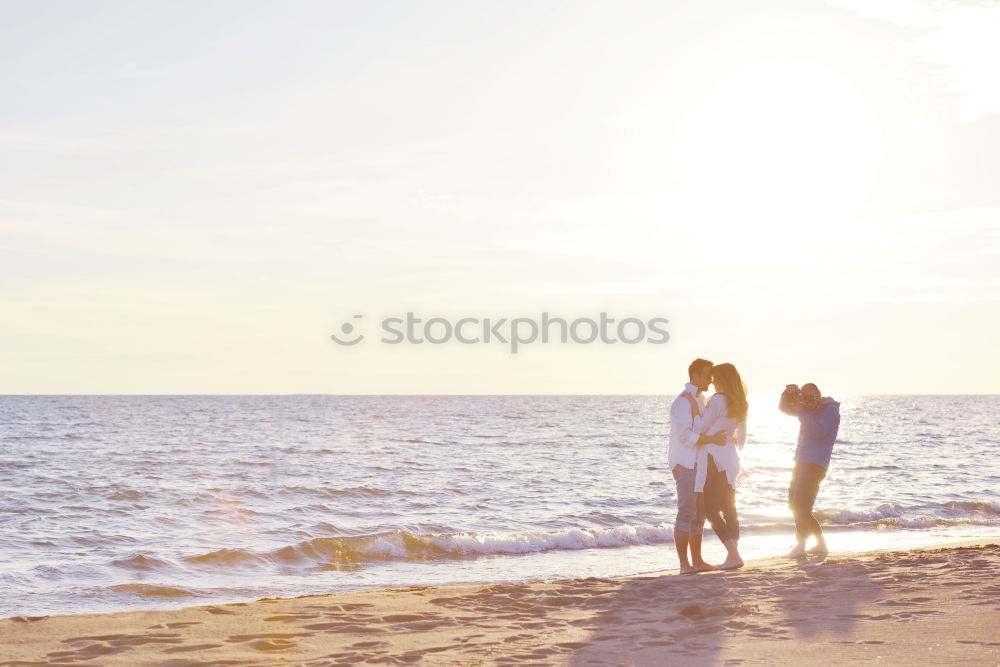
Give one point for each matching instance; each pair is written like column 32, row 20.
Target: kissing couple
column 705, row 439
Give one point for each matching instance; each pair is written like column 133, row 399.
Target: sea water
column 132, row 502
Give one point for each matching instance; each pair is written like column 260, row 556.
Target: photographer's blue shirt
column 817, row 432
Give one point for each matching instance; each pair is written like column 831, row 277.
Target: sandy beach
column 934, row 605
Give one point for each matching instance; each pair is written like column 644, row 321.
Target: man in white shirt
column 684, row 441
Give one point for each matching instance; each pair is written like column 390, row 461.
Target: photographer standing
column 819, row 421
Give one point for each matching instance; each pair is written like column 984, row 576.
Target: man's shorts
column 690, row 514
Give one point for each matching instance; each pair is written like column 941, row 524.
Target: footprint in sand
column 340, row 607
column 193, row 647
column 272, row 645
column 404, row 618
column 292, row 617
column 341, row 626
column 171, row 626
column 99, row 649
column 96, row 638
column 270, row 641
column 218, row 610
column 127, row 641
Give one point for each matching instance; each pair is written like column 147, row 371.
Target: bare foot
column 703, row 567
column 819, row 550
column 687, row 569
column 798, row 551
column 732, row 563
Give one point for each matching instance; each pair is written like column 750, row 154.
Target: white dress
column 727, row 458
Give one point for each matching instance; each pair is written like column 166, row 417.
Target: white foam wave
column 529, row 542
column 923, row 516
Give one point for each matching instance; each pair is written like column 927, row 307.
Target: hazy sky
column 195, row 195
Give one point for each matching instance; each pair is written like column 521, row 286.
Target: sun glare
column 776, row 141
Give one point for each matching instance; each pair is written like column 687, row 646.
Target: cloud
column 961, row 36
column 32, row 142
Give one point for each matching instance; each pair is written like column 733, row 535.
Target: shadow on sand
column 691, row 620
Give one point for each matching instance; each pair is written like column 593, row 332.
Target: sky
column 195, row 195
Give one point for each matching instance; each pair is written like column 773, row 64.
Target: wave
column 402, row 545
column 153, row 590
column 125, row 494
column 353, row 492
column 140, row 562
column 888, row 515
column 892, row 515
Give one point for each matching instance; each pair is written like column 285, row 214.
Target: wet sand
column 935, row 605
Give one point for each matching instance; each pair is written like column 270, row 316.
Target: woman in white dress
column 718, row 471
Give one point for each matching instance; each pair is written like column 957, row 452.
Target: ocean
column 110, row 503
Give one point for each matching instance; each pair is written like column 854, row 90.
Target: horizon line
column 5, row 395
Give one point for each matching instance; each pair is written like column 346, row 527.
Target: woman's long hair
column 727, row 381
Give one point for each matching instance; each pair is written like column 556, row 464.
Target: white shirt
column 714, row 419
column 683, row 437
